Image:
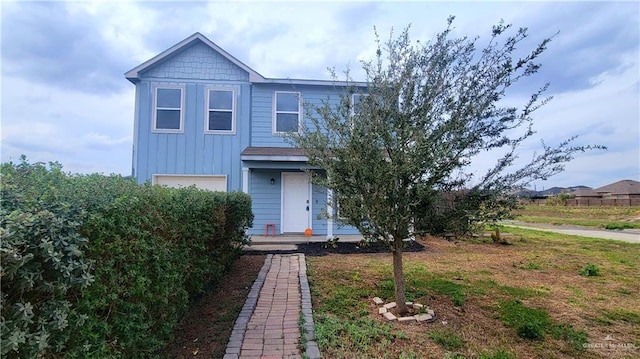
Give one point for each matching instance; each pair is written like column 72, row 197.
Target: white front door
column 296, row 202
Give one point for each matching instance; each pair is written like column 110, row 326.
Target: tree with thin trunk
column 397, row 150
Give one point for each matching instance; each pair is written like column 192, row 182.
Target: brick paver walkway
column 268, row 325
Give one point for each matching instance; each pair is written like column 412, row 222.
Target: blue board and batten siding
column 195, row 67
column 192, row 151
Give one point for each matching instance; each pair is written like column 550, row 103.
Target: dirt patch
column 205, row 329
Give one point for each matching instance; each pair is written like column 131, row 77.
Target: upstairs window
column 287, row 112
column 167, row 115
column 221, row 108
column 356, row 103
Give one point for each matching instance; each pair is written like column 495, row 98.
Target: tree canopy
column 397, row 150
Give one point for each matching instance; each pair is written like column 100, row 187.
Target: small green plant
column 303, row 332
column 498, row 238
column 364, row 243
column 331, row 243
column 590, row 270
column 447, row 338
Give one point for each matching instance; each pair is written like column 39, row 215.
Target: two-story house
column 204, row 118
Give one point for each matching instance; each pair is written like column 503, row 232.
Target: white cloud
column 64, row 96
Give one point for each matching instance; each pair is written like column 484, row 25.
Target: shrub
column 558, row 200
column 43, row 264
column 153, row 249
column 590, row 270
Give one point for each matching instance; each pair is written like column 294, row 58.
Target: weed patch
column 566, row 332
column 533, row 324
column 354, row 335
column 530, row 323
column 454, row 290
column 623, row 315
column 447, row 338
column 590, row 270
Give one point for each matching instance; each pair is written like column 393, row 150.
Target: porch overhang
column 273, row 154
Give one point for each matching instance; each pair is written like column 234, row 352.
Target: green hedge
column 111, row 264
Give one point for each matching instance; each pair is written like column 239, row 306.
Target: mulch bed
column 325, row 248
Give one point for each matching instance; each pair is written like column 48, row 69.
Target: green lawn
column 603, row 217
column 545, row 295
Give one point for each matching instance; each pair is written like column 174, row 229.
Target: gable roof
column 134, row 74
column 621, row 187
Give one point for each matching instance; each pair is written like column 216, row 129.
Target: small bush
column 590, row 270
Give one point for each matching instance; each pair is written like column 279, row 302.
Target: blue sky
column 64, row 96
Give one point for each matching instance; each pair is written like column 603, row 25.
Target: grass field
column 544, row 296
column 603, row 217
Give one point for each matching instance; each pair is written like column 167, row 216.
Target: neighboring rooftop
column 621, row 187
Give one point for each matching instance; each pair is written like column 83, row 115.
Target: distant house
column 585, row 193
column 625, row 189
column 204, row 118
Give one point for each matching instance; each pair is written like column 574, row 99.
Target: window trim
column 155, row 109
column 274, row 121
column 234, row 108
column 352, row 103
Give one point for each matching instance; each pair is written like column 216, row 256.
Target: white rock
column 389, row 316
column 423, row 317
column 378, row 300
column 406, row 319
column 417, row 306
column 390, row 305
column 382, row 310
column 430, row 312
column 409, row 304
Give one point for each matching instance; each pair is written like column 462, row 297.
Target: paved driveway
column 627, row 235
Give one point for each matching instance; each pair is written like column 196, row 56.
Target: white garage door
column 208, row 182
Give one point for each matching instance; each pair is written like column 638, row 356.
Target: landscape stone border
column 240, row 326
column 383, row 309
column 312, row 351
